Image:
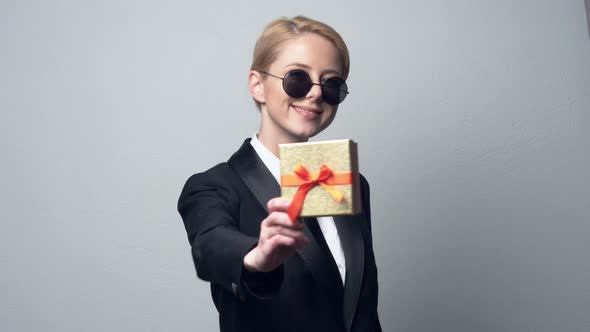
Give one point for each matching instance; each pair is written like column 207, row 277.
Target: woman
column 267, row 273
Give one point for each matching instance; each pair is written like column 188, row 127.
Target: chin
column 306, row 129
column 311, row 132
column 305, row 134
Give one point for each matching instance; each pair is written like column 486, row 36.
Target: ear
column 256, row 86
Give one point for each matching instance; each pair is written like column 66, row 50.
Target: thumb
column 278, row 204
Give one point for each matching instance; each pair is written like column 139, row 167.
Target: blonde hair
column 279, row 31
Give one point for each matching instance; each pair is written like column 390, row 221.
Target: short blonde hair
column 279, row 31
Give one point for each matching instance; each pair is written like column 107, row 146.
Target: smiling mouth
column 307, row 113
column 306, row 110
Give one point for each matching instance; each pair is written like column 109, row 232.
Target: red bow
column 302, row 178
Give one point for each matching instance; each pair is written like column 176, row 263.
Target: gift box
column 320, row 178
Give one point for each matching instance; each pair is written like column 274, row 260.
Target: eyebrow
column 297, row 64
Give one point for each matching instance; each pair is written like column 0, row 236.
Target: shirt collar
column 268, row 158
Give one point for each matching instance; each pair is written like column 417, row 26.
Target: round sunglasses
column 297, row 84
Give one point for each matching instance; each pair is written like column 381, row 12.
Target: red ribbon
column 302, row 178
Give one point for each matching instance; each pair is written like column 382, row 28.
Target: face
column 289, row 119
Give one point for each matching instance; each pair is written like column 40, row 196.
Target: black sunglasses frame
column 341, row 95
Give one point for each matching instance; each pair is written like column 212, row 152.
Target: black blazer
column 222, row 209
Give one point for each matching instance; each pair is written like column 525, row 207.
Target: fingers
column 277, row 231
column 281, row 219
column 267, row 257
column 279, row 238
column 278, row 204
column 281, row 246
column 273, row 251
column 278, row 223
column 268, row 233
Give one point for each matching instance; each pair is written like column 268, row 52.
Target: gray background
column 472, row 119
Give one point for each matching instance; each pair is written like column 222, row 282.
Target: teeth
column 301, row 109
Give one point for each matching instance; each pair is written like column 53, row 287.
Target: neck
column 272, row 142
column 271, row 136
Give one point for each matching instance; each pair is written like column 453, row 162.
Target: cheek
column 332, row 112
column 277, row 96
column 330, row 115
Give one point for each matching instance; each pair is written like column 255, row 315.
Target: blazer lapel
column 351, row 239
column 254, row 173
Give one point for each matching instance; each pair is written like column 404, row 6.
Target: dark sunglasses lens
column 297, row 83
column 334, row 90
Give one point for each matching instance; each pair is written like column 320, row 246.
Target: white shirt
column 326, row 224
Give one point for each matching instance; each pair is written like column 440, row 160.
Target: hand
column 279, row 239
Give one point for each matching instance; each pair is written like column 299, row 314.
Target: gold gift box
column 341, row 157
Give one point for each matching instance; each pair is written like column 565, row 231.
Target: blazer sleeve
column 210, row 210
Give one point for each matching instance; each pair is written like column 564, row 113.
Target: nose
column 315, row 93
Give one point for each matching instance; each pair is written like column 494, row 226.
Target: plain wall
column 472, row 119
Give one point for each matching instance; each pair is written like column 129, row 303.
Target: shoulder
column 366, row 199
column 222, row 173
column 218, row 182
column 365, row 188
column 364, row 182
column 214, row 175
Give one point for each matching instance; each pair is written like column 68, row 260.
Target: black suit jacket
column 222, row 209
